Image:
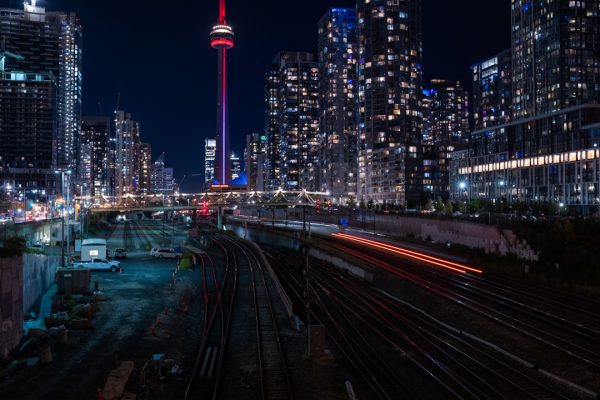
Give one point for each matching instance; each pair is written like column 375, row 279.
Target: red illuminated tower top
column 221, row 36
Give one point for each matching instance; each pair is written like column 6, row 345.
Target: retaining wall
column 489, row 238
column 11, row 304
column 38, row 275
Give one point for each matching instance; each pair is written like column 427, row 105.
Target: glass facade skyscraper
column 338, row 53
column 390, row 84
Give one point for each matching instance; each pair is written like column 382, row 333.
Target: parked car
column 166, row 253
column 99, row 264
column 120, row 254
column 153, row 251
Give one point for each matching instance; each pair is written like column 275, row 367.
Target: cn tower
column 221, row 38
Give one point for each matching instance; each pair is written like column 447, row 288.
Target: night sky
column 157, row 55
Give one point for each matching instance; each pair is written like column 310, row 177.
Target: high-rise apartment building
column 492, row 91
column 445, row 129
column 27, row 129
column 338, row 54
column 272, row 108
column 548, row 152
column 210, row 151
column 555, row 55
column 256, row 161
column 127, row 139
column 50, row 43
column 446, row 114
column 297, row 122
column 93, row 172
column 390, row 84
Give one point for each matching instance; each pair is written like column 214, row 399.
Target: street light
column 463, row 185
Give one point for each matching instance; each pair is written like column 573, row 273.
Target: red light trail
column 456, row 267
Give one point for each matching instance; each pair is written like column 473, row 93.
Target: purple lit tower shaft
column 221, row 39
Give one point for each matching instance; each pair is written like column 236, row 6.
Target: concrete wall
column 489, row 238
column 33, row 231
column 11, row 304
column 38, row 275
column 272, row 238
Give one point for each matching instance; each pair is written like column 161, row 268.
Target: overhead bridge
column 210, row 200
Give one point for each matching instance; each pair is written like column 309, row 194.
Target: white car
column 99, row 264
column 166, row 253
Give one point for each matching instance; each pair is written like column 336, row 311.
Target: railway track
column 382, row 378
column 465, row 364
column 461, row 365
column 206, row 373
column 273, row 377
column 546, row 329
column 224, row 296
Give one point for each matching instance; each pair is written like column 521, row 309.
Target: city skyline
column 194, row 115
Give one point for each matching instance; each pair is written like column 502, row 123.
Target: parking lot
column 144, row 313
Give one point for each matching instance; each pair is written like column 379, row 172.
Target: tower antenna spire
column 222, row 12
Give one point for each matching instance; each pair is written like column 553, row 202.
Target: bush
column 14, row 246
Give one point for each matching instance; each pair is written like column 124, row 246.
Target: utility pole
column 304, row 220
column 68, row 218
column 66, row 237
column 308, row 294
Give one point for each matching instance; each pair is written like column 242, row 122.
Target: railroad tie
column 205, row 363
column 213, row 362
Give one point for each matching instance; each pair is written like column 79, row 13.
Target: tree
column 439, row 205
column 362, row 205
column 429, row 205
column 352, row 202
column 14, row 246
column 449, row 207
